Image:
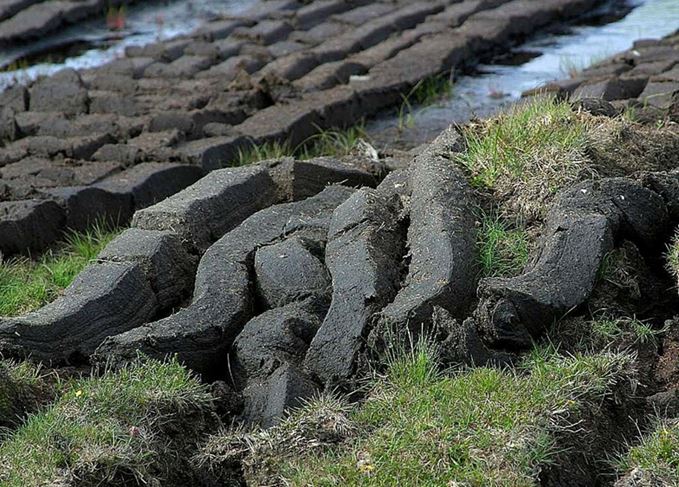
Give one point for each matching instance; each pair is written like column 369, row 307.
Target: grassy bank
column 127, row 427
column 525, row 155
column 26, row 284
column 479, row 426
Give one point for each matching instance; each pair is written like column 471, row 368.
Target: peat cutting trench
column 287, row 277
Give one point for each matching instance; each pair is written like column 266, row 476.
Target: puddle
column 91, row 43
column 546, row 58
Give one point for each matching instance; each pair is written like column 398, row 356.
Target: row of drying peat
column 279, row 74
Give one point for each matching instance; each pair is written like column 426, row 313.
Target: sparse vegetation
column 324, row 143
column 503, row 248
column 603, row 332
column 27, row 284
column 319, row 423
column 618, row 269
column 608, row 329
column 672, row 256
column 113, row 429
column 656, row 458
column 479, row 426
column 425, row 93
column 22, row 389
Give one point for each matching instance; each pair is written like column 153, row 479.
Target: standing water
column 553, row 56
column 91, row 43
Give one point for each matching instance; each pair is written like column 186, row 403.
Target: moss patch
column 480, row 426
column 117, row 428
column 26, row 285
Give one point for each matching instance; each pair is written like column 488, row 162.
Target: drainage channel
column 547, row 57
column 92, row 43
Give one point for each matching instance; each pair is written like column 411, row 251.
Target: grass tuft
column 108, row 430
column 336, row 143
column 269, row 150
column 22, row 389
column 656, row 458
column 425, row 93
column 527, row 154
column 26, row 285
column 672, row 256
column 503, row 248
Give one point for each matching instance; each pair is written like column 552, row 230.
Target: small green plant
column 112, row 429
column 26, row 284
column 268, row 150
column 503, row 248
column 657, row 456
column 430, row 90
column 609, row 329
column 332, row 142
column 424, row 94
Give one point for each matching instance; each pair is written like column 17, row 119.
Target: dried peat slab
column 217, row 203
column 138, row 275
column 443, row 267
column 32, row 225
column 201, row 334
column 266, row 360
column 584, row 225
column 363, row 255
column 29, row 225
column 150, row 269
column 205, row 211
